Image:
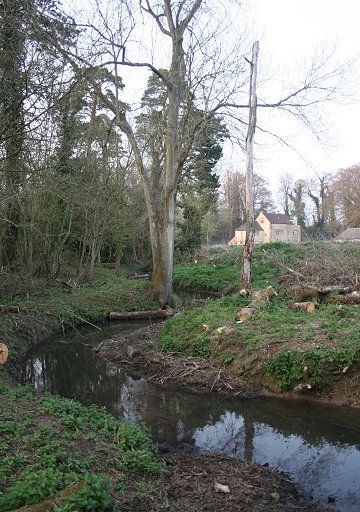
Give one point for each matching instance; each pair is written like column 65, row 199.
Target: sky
column 289, row 32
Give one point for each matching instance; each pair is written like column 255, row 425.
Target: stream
column 318, row 445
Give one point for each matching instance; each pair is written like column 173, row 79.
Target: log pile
column 324, row 294
column 327, row 294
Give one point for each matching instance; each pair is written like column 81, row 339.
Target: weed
column 132, row 436
column 228, row 358
column 33, row 487
column 92, row 497
column 142, row 461
column 314, row 366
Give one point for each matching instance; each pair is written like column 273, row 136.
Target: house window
column 295, row 233
column 279, row 232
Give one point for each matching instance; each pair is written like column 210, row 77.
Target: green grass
column 46, row 446
column 193, row 331
column 282, row 341
column 218, row 270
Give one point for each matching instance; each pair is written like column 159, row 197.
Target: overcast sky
column 289, row 32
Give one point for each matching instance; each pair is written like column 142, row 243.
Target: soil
column 139, row 354
column 189, row 486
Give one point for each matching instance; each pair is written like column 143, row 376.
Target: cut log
column 259, row 297
column 9, row 309
column 309, row 307
column 3, row 353
column 303, row 294
column 132, row 315
column 350, row 299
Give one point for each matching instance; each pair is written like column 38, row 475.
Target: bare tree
column 319, row 190
column 286, row 183
column 249, row 182
column 346, row 188
column 191, row 79
column 194, row 63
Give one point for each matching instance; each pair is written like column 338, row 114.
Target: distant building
column 270, row 227
column 349, row 235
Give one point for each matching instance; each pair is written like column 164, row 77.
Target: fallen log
column 140, row 276
column 341, row 290
column 54, row 502
column 309, row 307
column 132, row 315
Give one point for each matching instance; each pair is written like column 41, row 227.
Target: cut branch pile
column 324, row 266
column 328, row 273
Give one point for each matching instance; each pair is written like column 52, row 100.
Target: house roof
column 349, row 234
column 243, row 227
column 278, row 218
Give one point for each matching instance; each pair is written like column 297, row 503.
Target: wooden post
column 249, row 185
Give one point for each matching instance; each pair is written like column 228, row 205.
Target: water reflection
column 318, row 445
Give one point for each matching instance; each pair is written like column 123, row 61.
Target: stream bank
column 172, row 371
column 140, row 353
column 55, row 441
column 293, row 436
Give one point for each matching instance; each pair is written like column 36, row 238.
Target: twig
column 188, row 372
column 83, row 320
column 215, row 381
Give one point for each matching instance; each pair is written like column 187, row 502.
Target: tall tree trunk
column 12, row 118
column 250, row 220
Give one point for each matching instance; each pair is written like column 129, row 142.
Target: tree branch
column 156, row 17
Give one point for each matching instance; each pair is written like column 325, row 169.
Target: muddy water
column 318, row 445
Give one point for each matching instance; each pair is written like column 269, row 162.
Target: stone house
column 349, row 235
column 270, row 227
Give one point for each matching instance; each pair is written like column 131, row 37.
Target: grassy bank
column 47, row 446
column 283, row 346
column 218, row 269
column 57, row 455
column 277, row 346
column 56, row 309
